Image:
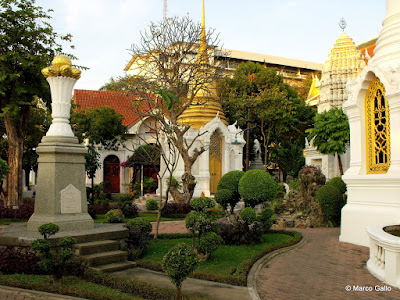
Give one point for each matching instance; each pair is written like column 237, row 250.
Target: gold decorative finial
column 342, row 23
column 202, row 55
column 61, row 66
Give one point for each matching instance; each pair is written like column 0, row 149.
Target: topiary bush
column 178, row 263
column 202, row 204
column 139, row 237
column 198, row 223
column 331, row 201
column 115, row 216
column 151, row 204
column 57, row 260
column 266, row 218
column 248, row 215
column 208, row 243
column 256, row 187
column 224, row 197
column 338, row 183
column 230, row 181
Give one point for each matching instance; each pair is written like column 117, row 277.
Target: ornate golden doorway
column 215, row 161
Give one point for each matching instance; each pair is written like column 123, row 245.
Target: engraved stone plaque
column 71, row 200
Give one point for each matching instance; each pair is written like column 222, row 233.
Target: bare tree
column 170, row 67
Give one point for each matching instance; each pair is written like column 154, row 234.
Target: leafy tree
column 168, row 82
column 27, row 44
column 279, row 117
column 99, row 126
column 331, row 133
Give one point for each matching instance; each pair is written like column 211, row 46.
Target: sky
column 104, row 30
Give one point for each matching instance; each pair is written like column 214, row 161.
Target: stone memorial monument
column 61, row 189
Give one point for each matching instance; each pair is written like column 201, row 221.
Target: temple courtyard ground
column 319, row 267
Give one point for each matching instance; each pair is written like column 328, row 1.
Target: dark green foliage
column 4, row 170
column 148, row 155
column 54, row 261
column 230, row 181
column 331, row 131
column 18, row 260
column 338, row 183
column 48, row 230
column 139, row 237
column 266, row 218
column 198, row 222
column 176, row 209
column 151, row 204
column 115, row 216
column 179, row 262
column 224, row 197
column 124, row 199
column 331, row 201
column 202, row 204
column 248, row 215
column 256, row 187
column 209, row 242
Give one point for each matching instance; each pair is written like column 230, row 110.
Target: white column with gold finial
column 61, row 180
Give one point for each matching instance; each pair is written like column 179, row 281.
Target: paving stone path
column 321, row 269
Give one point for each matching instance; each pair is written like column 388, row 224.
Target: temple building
column 344, row 63
column 373, row 109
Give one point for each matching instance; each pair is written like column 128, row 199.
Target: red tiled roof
column 119, row 101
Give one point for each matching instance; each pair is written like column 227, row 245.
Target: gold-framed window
column 377, row 121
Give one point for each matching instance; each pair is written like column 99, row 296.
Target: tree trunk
column 178, row 292
column 15, row 136
column 340, row 165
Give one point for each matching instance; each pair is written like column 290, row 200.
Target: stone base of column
column 61, row 189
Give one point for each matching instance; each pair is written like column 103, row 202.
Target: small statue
column 257, row 149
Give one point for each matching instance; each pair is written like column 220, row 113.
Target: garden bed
column 228, row 264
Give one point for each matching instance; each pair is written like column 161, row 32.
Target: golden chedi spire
column 344, row 62
column 61, row 66
column 204, row 107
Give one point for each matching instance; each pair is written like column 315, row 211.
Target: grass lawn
column 152, row 217
column 229, row 264
column 70, row 285
column 4, row 221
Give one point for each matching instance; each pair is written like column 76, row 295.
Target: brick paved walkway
column 321, row 269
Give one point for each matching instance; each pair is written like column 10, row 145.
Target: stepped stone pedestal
column 61, row 190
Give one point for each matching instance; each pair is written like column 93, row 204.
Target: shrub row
column 239, row 280
column 129, row 211
column 144, row 290
column 18, row 260
column 24, row 212
column 176, row 208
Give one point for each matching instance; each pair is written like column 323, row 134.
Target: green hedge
column 331, row 201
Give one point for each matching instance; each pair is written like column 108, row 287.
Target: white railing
column 384, row 254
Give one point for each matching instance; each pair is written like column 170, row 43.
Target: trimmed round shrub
column 338, row 183
column 124, row 198
column 202, row 204
column 48, row 229
column 151, row 204
column 139, row 237
column 224, row 197
column 178, row 263
column 209, row 242
column 230, row 181
column 256, row 187
column 266, row 218
column 199, row 222
column 115, row 216
column 248, row 215
column 331, row 201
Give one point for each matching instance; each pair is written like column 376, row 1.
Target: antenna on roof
column 165, row 11
column 342, row 23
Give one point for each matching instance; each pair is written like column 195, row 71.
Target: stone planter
column 384, row 254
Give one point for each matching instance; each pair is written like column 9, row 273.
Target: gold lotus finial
column 61, row 66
